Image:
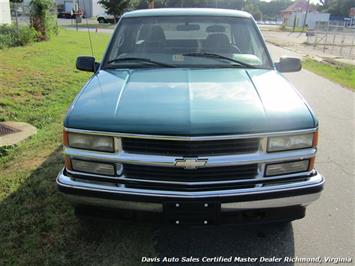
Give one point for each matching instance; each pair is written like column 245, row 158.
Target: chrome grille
column 174, row 187
column 186, row 175
column 190, row 148
column 150, row 163
column 138, row 176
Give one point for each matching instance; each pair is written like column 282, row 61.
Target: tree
column 324, row 2
column 231, row 4
column 114, row 7
column 336, row 7
column 184, row 3
column 139, row 4
column 151, row 3
column 41, row 18
column 272, row 9
column 253, row 8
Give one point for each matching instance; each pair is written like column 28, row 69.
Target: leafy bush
column 26, row 35
column 10, row 37
column 7, row 36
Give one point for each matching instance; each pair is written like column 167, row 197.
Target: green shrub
column 10, row 37
column 26, row 35
column 7, row 36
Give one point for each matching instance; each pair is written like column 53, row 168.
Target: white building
column 91, row 7
column 5, row 17
column 297, row 19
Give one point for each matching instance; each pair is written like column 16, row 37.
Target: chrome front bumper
column 81, row 192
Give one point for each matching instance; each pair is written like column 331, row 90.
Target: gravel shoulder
column 295, row 42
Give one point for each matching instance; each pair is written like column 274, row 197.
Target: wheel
column 101, row 20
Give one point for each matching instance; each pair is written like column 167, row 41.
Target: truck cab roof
column 187, row 12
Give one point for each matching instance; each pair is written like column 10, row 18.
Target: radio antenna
column 87, row 26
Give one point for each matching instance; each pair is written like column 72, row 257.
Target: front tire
column 101, row 20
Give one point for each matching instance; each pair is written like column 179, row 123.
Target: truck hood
column 189, row 102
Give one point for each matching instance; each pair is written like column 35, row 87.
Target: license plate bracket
column 192, row 213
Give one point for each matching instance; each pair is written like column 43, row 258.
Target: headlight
column 89, row 142
column 93, row 167
column 287, row 168
column 293, row 142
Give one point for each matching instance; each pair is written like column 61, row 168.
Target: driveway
column 328, row 229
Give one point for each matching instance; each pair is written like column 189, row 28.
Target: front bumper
column 110, row 196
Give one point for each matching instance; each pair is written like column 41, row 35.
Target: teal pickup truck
column 187, row 120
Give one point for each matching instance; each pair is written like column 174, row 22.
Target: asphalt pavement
column 328, row 229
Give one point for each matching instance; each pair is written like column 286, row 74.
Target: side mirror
column 87, row 63
column 288, row 64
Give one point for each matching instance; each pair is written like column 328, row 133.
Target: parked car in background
column 61, row 13
column 188, row 120
column 19, row 12
column 106, row 18
column 64, row 14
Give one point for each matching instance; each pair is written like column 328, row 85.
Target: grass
column 98, row 25
column 94, row 25
column 37, row 226
column 340, row 73
column 38, row 82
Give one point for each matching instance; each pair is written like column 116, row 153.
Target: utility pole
column 16, row 15
column 305, row 16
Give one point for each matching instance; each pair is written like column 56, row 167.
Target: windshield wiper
column 140, row 59
column 218, row 56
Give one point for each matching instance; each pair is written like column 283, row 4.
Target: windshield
column 187, row 41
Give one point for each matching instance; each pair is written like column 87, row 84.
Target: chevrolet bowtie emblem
column 190, row 163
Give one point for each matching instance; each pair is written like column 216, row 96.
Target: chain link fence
column 333, row 39
column 20, row 13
